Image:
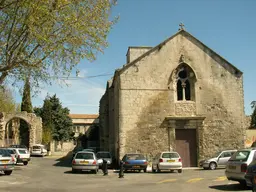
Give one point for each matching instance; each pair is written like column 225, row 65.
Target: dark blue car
column 135, row 161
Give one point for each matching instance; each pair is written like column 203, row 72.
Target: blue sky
column 226, row 26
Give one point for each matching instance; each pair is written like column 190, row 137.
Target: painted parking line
column 167, row 181
column 221, row 179
column 194, row 180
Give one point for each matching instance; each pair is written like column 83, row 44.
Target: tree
column 7, row 103
column 57, row 125
column 49, row 38
column 253, row 116
column 26, row 105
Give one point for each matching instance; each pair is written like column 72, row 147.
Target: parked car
column 220, row 160
column 167, row 161
column 23, row 155
column 135, row 161
column 38, row 150
column 85, row 160
column 19, row 146
column 7, row 162
column 13, row 154
column 237, row 165
column 76, row 149
column 250, row 174
column 104, row 155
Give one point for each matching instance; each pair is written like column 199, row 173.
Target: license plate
column 84, row 162
column 136, row 166
column 6, row 161
column 170, row 161
column 232, row 167
column 24, row 159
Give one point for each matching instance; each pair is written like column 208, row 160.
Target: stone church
column 179, row 95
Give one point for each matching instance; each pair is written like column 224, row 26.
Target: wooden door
column 186, row 146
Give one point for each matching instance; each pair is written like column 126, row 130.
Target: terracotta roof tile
column 83, row 116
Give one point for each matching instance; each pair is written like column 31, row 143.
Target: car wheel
column 8, row 172
column 180, row 171
column 25, row 163
column 94, row 171
column 212, row 166
column 145, row 170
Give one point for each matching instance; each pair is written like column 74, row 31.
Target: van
column 38, row 150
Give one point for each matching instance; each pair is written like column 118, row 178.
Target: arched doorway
column 17, row 131
column 10, row 124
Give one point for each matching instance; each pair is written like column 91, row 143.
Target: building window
column 185, row 86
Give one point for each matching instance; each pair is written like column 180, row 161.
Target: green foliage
column 7, row 103
column 47, row 39
column 253, row 117
column 26, row 104
column 56, row 121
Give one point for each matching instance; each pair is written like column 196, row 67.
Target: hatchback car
column 85, row 160
column 237, row 165
column 7, row 162
column 104, row 155
column 220, row 160
column 167, row 161
column 38, row 150
column 135, row 161
column 23, row 156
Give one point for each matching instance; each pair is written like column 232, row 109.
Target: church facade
column 179, row 95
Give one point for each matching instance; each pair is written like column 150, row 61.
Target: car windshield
column 170, row 155
column 84, row 156
column 11, row 151
column 4, row 153
column 240, row 156
column 217, row 154
column 22, row 151
column 103, row 155
column 135, row 157
column 36, row 147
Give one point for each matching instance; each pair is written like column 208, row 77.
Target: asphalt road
column 51, row 175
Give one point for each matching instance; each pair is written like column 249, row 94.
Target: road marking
column 166, row 181
column 194, row 180
column 221, row 179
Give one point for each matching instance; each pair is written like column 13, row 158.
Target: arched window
column 185, row 83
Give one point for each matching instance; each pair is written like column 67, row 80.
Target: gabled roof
column 126, row 66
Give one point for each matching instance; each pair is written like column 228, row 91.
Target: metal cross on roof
column 181, row 26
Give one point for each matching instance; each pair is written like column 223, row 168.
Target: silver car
column 167, row 161
column 104, row 155
column 85, row 160
column 7, row 162
column 237, row 165
column 220, row 159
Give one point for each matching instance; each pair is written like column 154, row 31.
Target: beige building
column 179, row 95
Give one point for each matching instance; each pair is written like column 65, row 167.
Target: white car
column 7, row 162
column 85, row 160
column 167, row 161
column 237, row 165
column 23, row 156
column 38, row 150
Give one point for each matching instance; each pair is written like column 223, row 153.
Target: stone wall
column 147, row 96
column 34, row 122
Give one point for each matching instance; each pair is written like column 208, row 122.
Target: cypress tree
column 26, row 105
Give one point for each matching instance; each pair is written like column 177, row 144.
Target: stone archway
column 34, row 122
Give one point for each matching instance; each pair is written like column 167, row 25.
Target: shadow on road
column 80, row 172
column 64, row 161
column 230, row 187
